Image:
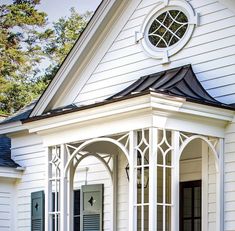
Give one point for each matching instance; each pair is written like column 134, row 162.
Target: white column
column 153, row 139
column 63, row 190
column 114, row 182
column 132, row 182
column 220, row 188
column 205, row 155
column 175, row 181
column 48, row 190
column 70, row 197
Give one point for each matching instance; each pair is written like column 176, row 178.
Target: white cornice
column 160, row 104
column 12, row 173
column 12, row 127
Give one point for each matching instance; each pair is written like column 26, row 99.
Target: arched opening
column 92, row 165
column 198, row 184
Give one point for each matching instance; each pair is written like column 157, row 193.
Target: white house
column 136, row 131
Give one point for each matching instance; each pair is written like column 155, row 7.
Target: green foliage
column 24, row 42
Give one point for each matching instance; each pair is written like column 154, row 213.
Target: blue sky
column 59, row 8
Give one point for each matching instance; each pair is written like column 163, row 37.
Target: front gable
column 117, row 60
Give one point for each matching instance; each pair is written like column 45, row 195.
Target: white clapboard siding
column 229, row 178
column 6, row 205
column 28, row 152
column 211, row 51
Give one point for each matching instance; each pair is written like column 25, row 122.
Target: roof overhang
column 11, row 173
column 130, row 113
column 13, row 127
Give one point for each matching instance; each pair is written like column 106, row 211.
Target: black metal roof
column 5, row 153
column 179, row 82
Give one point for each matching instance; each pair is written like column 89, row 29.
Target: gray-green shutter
column 92, row 207
column 37, row 211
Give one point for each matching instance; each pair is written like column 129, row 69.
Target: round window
column 168, row 28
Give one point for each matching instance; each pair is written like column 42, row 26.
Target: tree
column 66, row 32
column 24, row 43
column 21, row 33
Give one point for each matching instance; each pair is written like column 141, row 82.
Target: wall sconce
column 139, row 171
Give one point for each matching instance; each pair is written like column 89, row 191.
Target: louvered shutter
column 37, row 211
column 92, row 207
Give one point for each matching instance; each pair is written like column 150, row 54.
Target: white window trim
column 165, row 5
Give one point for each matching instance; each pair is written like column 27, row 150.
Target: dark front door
column 190, row 206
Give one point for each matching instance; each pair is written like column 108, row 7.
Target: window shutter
column 92, row 207
column 37, row 211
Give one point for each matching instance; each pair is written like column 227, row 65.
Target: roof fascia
column 79, row 51
column 164, row 105
column 12, row 127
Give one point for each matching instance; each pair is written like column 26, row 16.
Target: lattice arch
column 78, row 151
column 212, row 143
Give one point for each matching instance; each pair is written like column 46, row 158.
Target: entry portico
column 157, row 129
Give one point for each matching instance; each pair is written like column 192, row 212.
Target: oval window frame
column 165, row 53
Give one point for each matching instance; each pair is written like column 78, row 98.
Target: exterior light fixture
column 140, row 168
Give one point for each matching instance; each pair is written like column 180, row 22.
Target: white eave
column 11, row 173
column 11, row 127
column 154, row 103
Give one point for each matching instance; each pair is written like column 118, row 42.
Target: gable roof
column 5, row 153
column 80, row 51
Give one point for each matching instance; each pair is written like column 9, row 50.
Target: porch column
column 132, row 182
column 153, row 138
column 220, row 187
column 48, row 191
column 114, row 182
column 63, row 190
column 175, row 181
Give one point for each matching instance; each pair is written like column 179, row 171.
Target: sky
column 57, row 8
column 60, row 8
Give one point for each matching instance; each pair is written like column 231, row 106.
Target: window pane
column 159, row 184
column 76, row 223
column 139, row 209
column 77, row 202
column 159, row 218
column 197, row 225
column 187, row 202
column 197, row 202
column 187, row 225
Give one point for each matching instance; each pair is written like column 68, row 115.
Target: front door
column 190, row 206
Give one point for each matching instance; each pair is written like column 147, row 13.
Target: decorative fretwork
column 212, row 142
column 168, row 28
column 141, row 168
column 164, row 177
column 55, row 186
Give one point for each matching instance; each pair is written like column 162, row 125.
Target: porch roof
column 179, row 82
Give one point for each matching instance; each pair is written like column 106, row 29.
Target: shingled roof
column 5, row 153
